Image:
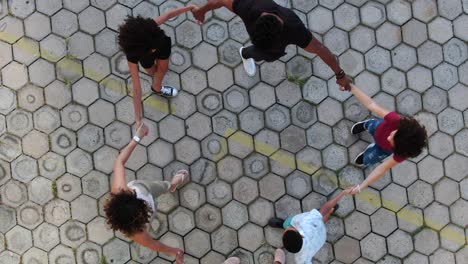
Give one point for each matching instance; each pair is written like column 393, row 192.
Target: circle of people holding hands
column 271, row 27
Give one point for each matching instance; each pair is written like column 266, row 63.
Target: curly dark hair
column 138, row 35
column 267, row 31
column 410, row 138
column 126, row 213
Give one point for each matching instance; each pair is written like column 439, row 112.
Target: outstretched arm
column 146, row 240
column 330, row 59
column 133, row 67
column 119, row 182
column 327, row 209
column 378, row 172
column 173, row 13
column 368, row 102
column 199, row 13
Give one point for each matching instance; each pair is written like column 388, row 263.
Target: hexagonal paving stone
column 373, row 247
column 271, row 187
column 261, row 211
column 188, row 34
column 430, row 54
column 273, row 73
column 456, row 167
column 426, row 241
column 117, row 251
column 320, row 20
column 388, row 35
column 394, row 197
column 84, row 208
column 57, row 212
column 404, row 57
column 419, row 78
column 383, row 222
column 414, row 33
column 8, row 218
column 420, row 194
column 293, row 139
column 456, row 212
column 18, row 239
column 324, row 181
column 46, row 236
column 298, row 184
column 357, row 225
column 73, row 233
column 14, row 75
column 68, row 187
column 12, row 29
column 224, row 240
column 250, row 237
column 436, row 215
column 445, row 76
column 435, row 100
column 40, row 190
column 46, row 119
column 192, row 196
column 245, row 190
column 197, row 243
column 347, row 250
column 219, row 193
column 459, row 30
column 8, row 102
column 234, row 214
column 25, row 51
column 377, row 60
column 35, row 144
column 440, row 145
column 251, row 120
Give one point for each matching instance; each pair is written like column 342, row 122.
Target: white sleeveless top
column 140, row 195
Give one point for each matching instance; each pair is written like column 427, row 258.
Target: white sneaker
column 249, row 64
column 167, row 91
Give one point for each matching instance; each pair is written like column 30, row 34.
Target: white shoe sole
column 245, row 62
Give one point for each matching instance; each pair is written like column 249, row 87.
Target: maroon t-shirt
column 383, row 130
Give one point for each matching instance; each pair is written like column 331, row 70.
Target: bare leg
column 151, row 71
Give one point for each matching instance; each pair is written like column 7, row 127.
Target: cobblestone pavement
column 255, row 147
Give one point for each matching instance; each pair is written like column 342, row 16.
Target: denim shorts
column 373, row 153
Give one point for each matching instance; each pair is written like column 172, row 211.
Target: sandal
column 181, row 173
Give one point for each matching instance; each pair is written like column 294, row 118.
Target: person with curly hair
column 271, row 28
column 397, row 136
column 131, row 206
column 143, row 41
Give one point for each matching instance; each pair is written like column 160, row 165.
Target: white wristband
column 137, row 138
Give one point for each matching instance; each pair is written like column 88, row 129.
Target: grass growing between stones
column 54, row 188
column 103, row 260
column 297, row 80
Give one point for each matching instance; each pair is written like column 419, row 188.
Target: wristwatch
column 136, row 138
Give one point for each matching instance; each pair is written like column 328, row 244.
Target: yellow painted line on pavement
column 365, row 196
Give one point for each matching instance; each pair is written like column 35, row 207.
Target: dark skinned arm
column 330, row 59
column 199, row 13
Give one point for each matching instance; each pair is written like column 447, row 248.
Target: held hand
column 192, row 7
column 353, row 190
column 138, row 123
column 142, row 131
column 344, row 83
column 199, row 15
column 180, row 256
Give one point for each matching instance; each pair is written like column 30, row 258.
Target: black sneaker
column 276, row 222
column 359, row 160
column 167, row 91
column 358, row 127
